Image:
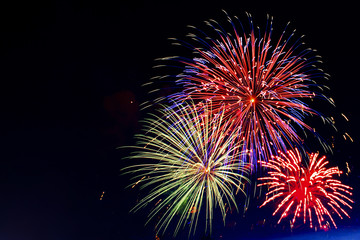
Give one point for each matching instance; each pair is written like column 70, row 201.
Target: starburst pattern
column 305, row 191
column 260, row 84
column 190, row 161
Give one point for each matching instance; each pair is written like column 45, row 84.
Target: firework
column 258, row 83
column 305, row 191
column 190, row 162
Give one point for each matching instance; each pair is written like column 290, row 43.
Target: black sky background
column 70, row 77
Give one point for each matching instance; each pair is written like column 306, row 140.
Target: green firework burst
column 191, row 160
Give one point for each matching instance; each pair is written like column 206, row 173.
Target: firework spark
column 258, row 83
column 305, row 191
column 190, row 162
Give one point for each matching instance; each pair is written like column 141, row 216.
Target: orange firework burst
column 305, row 190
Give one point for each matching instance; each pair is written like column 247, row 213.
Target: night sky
column 70, row 81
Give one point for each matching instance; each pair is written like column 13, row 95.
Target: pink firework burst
column 305, row 191
column 259, row 83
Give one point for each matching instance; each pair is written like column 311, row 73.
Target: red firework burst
column 305, row 191
column 257, row 82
